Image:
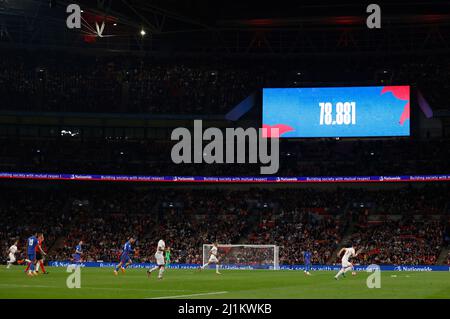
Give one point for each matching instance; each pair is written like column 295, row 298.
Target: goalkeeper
column 167, row 256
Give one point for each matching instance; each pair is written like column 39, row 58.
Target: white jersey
column 349, row 252
column 13, row 249
column 213, row 255
column 12, row 253
column 159, row 255
column 161, row 247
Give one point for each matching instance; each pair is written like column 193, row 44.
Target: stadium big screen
column 338, row 111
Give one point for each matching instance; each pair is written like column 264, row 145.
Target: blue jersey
column 31, row 245
column 127, row 248
column 77, row 255
column 307, row 257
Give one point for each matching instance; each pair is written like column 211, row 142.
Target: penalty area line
column 192, row 295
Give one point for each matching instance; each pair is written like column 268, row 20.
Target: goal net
column 245, row 256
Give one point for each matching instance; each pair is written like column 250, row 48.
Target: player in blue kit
column 78, row 252
column 125, row 259
column 32, row 242
column 307, row 261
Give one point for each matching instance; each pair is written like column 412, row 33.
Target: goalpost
column 242, row 256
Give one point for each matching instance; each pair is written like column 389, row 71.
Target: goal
column 245, row 256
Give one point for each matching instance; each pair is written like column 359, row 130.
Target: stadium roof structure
column 230, row 27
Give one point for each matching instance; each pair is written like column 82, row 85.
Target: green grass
column 101, row 283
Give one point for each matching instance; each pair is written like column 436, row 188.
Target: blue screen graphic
column 337, row 111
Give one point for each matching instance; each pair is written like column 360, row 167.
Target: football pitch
column 247, row 284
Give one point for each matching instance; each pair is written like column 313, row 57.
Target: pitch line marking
column 131, row 289
column 192, row 295
column 26, row 286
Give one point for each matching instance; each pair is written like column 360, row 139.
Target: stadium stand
column 152, row 157
column 294, row 219
column 69, row 82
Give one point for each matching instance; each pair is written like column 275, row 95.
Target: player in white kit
column 346, row 264
column 159, row 256
column 12, row 254
column 213, row 258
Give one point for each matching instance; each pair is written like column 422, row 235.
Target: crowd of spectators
column 153, row 157
column 299, row 231
column 182, row 218
column 50, row 81
column 295, row 219
column 62, row 82
column 25, row 212
column 404, row 241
